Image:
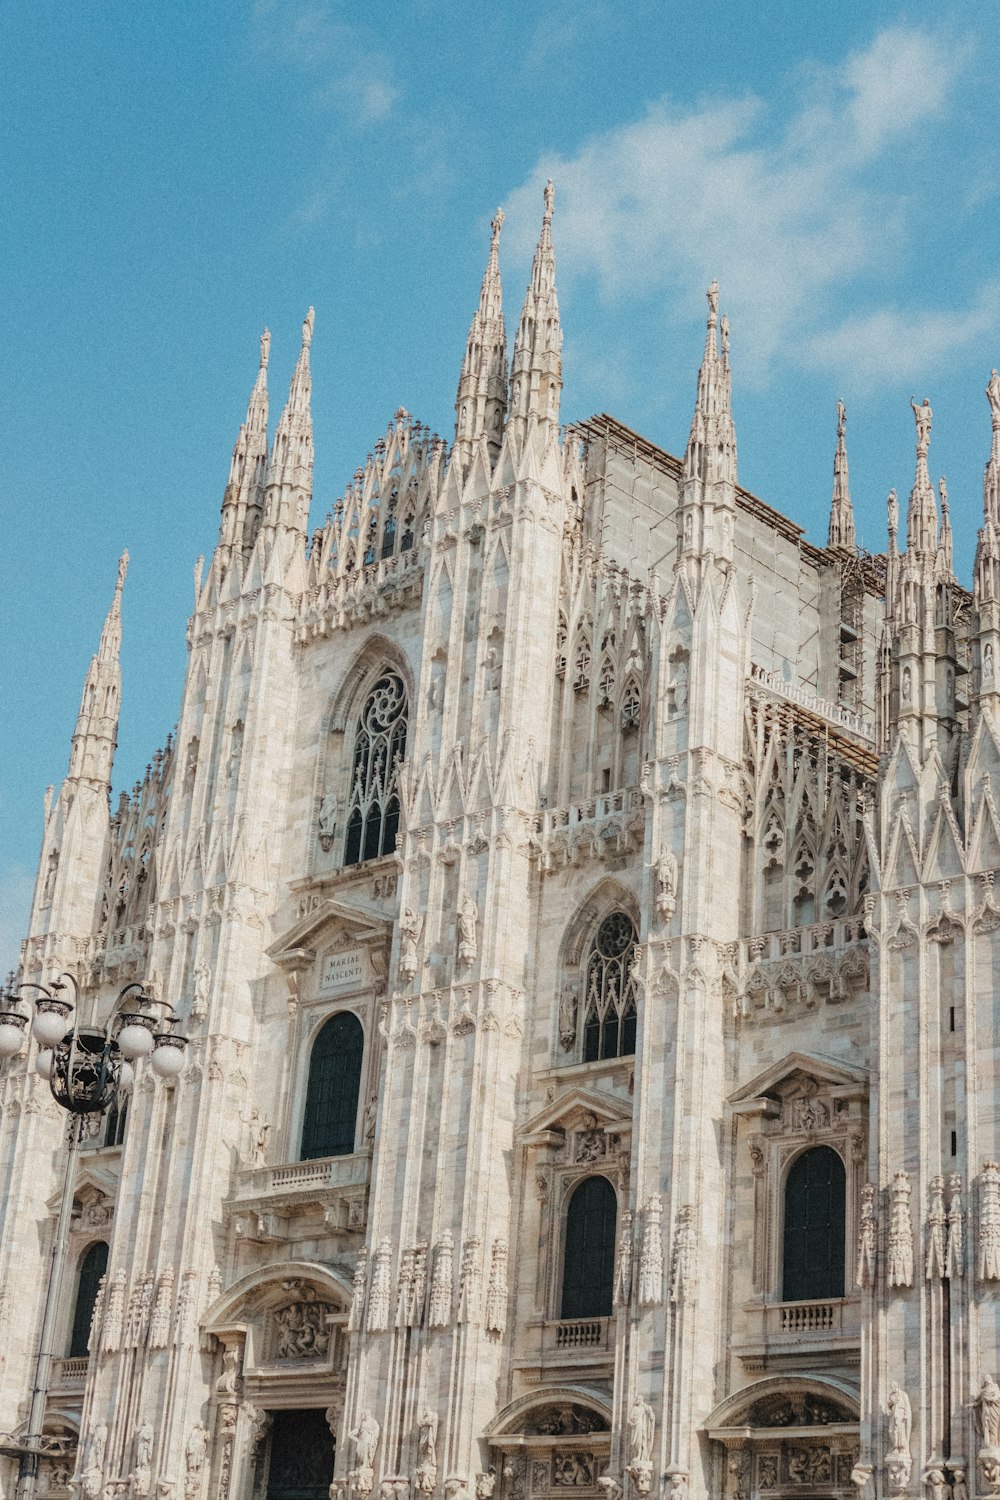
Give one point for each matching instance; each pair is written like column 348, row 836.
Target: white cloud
column 350, row 74
column 783, row 210
column 902, row 346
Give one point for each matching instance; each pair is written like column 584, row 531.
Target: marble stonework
column 630, row 687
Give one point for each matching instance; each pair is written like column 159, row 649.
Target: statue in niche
column 988, row 1412
column 427, row 1450
column 96, row 1447
column 365, row 1439
column 906, row 691
column 468, row 916
column 258, row 1131
column 567, row 1016
column 666, row 882
column 50, row 878
column 194, row 1460
column 410, row 924
column 493, row 670
column 327, row 820
column 679, row 684
column 202, row 984
column 191, row 763
column 144, row 1444
column 988, row 667
column 235, row 752
column 641, row 1422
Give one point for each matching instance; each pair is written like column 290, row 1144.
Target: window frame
column 297, row 1135
column 571, row 1187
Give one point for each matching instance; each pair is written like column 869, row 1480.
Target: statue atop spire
column 921, row 516
column 265, row 348
column 536, row 373
column 481, row 402
column 841, row 532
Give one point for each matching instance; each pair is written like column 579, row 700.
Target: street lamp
column 88, row 1069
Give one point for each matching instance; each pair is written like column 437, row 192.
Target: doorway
column 301, row 1463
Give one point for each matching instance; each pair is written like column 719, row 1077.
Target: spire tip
column 550, row 198
column 265, row 348
column 307, row 327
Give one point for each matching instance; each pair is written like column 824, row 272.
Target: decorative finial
column 993, row 397
column 550, row 198
column 893, row 509
column 922, row 415
column 943, row 487
column 496, row 224
column 307, row 328
column 713, row 301
column 122, row 570
column 841, row 419
column 265, row 348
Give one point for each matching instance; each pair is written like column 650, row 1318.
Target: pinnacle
column 921, row 516
column 842, row 532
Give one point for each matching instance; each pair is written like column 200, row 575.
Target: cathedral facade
column 578, row 893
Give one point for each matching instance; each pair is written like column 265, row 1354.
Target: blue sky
column 177, row 176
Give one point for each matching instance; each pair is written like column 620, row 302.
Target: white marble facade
column 547, row 746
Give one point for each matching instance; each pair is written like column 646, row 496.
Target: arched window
column 373, row 815
column 609, row 1009
column 589, row 1258
column 92, row 1268
column 815, row 1193
column 334, row 1083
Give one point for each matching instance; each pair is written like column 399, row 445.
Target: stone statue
column 641, row 1423
column 202, row 984
column 96, row 1446
column 486, row 1484
column 988, row 1411
column 371, row 1116
column 427, row 1441
column 923, row 415
column 144, row 1444
column 900, row 1419
column 365, row 1439
column 988, row 665
column 258, row 1131
column 229, row 1379
column 50, row 878
column 410, row 924
column 567, row 1016
column 959, row 1484
column 666, row 881
column 893, row 511
column 327, row 820
column 468, row 916
column 993, row 397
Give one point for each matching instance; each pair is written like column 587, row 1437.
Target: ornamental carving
column 651, row 1255
column 989, row 1222
column 301, row 1329
column 900, row 1257
column 867, row 1238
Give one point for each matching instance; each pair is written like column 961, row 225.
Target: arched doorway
column 300, row 1461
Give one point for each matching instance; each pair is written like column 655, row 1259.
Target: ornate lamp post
column 88, row 1069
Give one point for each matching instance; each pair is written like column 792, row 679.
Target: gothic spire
column 96, row 733
column 482, row 387
column 945, row 539
column 244, row 494
column 921, row 514
column 841, row 533
column 711, row 450
column 289, row 472
column 986, row 570
column 536, row 374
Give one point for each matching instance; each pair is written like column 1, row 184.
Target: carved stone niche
column 785, row 1434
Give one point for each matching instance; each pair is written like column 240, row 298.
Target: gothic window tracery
column 380, row 743
column 329, row 1125
column 610, row 996
column 589, row 1250
column 93, row 1265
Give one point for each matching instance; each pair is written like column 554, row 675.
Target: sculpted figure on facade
column 496, row 1292
column 468, row 916
column 202, row 985
column 684, row 1255
column 623, row 1271
column 935, row 1257
column 439, row 1312
column 666, row 883
column 989, row 1222
column 651, row 1255
column 955, row 1248
column 900, row 1255
column 326, row 821
column 899, row 1461
column 194, row 1460
column 410, row 924
column 867, row 1238
column 365, row 1438
column 426, row 1475
column 380, row 1295
column 567, row 1017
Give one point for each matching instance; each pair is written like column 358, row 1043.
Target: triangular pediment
column 782, row 1077
column 92, row 1182
column 329, row 922
column 574, row 1110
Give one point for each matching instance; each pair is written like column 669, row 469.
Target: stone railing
column 819, row 937
column 70, row 1374
column 591, row 1334
column 611, row 821
column 796, row 1320
column 834, row 713
column 293, row 1177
